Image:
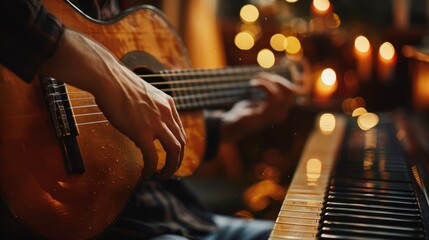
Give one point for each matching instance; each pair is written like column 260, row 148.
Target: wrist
column 80, row 62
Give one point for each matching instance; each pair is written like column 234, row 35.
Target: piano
column 355, row 181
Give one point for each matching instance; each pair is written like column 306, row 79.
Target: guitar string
column 214, row 96
column 196, row 76
column 105, row 120
column 216, row 72
column 213, row 87
column 219, row 100
column 191, row 80
column 226, row 96
column 214, row 93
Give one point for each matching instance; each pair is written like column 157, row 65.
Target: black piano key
column 347, row 237
column 372, row 195
column 377, row 227
column 371, row 190
column 373, row 212
column 362, row 218
column 375, row 201
column 378, row 176
column 364, row 233
column 375, row 207
column 348, row 182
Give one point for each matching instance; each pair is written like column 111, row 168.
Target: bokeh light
column 328, row 77
column 367, row 121
column 362, row 44
column 321, row 5
column 244, row 40
column 249, row 13
column 386, row 51
column 266, row 58
column 277, row 42
column 292, row 45
column 327, row 123
column 358, row 111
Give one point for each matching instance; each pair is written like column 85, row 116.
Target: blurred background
column 359, row 56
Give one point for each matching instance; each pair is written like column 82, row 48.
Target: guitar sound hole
column 154, row 78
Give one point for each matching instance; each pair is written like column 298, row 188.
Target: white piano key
column 305, row 215
column 276, row 234
column 300, row 208
column 298, row 221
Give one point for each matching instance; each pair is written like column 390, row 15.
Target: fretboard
column 213, row 88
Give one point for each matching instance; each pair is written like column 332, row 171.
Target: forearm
column 79, row 54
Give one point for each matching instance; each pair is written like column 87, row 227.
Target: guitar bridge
column 64, row 123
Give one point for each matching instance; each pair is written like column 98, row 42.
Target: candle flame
column 329, row 77
column 387, row 51
column 362, row 44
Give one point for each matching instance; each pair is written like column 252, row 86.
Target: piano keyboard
column 351, row 184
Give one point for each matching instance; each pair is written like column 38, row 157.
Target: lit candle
column 363, row 55
column 386, row 61
column 326, row 84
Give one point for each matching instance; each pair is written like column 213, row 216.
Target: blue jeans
column 231, row 228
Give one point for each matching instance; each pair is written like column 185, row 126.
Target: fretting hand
column 249, row 116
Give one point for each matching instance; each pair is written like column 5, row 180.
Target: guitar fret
column 199, row 88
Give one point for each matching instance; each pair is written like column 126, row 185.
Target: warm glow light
column 370, row 139
column 401, row 134
column 358, row 111
column 367, row 121
column 277, row 42
column 362, row 44
column 333, row 20
column 314, row 168
column 249, row 13
column 244, row 40
column 351, row 104
column 291, row 1
column 321, row 5
column 244, row 214
column 328, row 77
column 327, row 123
column 292, row 45
column 266, row 58
column 326, row 84
column 258, row 195
column 386, row 51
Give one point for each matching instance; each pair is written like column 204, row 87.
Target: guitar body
column 35, row 184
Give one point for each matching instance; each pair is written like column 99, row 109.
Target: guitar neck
column 213, row 88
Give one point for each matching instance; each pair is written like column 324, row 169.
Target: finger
column 181, row 132
column 173, row 149
column 268, row 87
column 278, row 94
column 287, row 85
column 178, row 121
column 150, row 158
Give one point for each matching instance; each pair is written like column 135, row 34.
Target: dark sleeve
column 212, row 136
column 29, row 35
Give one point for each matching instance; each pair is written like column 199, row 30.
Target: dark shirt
column 29, row 36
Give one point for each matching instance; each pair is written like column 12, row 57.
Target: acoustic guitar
column 65, row 172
